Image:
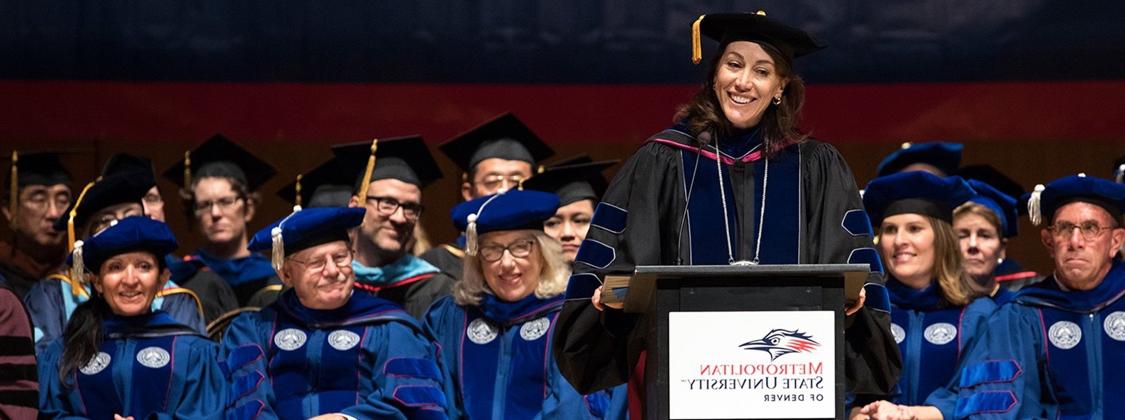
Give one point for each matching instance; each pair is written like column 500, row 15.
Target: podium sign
column 751, row 365
column 725, row 342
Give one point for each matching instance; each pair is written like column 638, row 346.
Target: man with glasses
column 497, row 155
column 392, row 195
column 1056, row 350
column 41, row 193
column 51, row 302
column 321, row 351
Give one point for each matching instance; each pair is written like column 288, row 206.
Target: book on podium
column 742, row 341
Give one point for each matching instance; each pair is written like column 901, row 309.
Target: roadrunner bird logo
column 780, row 342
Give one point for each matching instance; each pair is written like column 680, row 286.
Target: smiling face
column 1080, row 263
column 389, row 233
column 511, row 278
column 907, row 244
column 129, row 282
column 569, row 225
column 746, row 81
column 320, row 275
column 981, row 245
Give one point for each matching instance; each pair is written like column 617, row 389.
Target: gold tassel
column 70, row 217
column 187, row 170
column 298, row 191
column 14, row 194
column 367, row 172
column 696, row 44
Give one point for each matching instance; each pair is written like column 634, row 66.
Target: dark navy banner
column 544, row 41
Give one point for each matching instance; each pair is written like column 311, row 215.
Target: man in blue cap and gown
column 321, row 349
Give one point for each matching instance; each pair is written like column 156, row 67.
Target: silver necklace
column 726, row 223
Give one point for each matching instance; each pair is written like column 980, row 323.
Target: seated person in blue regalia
column 495, row 331
column 935, row 309
column 118, row 356
column 219, row 182
column 1056, row 350
column 52, row 301
column 321, row 350
column 990, row 182
column 984, row 224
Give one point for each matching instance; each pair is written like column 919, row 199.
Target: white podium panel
column 761, row 364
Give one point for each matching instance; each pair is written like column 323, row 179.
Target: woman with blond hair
column 935, row 310
column 495, row 330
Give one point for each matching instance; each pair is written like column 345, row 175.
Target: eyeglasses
column 41, row 200
column 1090, row 229
column 388, row 206
column 341, row 260
column 225, row 204
column 495, row 182
column 519, row 249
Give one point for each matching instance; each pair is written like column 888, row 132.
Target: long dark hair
column 83, row 336
column 705, row 119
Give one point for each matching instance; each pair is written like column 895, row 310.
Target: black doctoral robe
column 813, row 215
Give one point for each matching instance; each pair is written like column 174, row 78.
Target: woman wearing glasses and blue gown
column 495, row 331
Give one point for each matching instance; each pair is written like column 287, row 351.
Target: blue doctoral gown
column 499, row 363
column 148, row 366
column 367, row 359
column 931, row 336
column 1049, row 354
column 51, row 302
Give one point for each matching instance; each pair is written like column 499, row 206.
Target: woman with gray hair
column 496, row 327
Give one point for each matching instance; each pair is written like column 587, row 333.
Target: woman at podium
column 495, row 330
column 732, row 181
column 935, row 310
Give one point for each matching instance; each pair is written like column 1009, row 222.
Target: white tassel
column 471, row 245
column 1081, row 174
column 1121, row 174
column 1033, row 207
column 278, row 251
column 77, row 265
